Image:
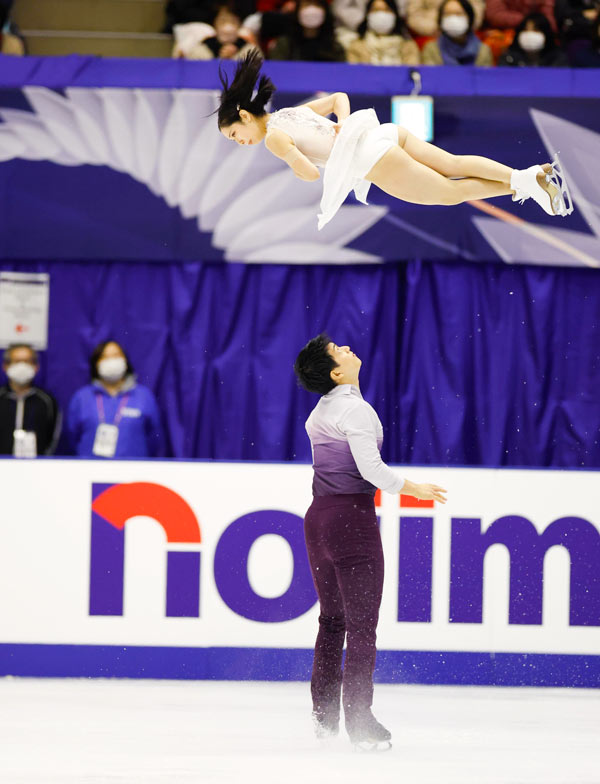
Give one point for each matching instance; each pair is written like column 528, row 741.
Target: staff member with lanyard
column 30, row 419
column 113, row 416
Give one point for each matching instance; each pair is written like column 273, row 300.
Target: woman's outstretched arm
column 336, row 103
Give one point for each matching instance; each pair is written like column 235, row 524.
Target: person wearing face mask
column 183, row 12
column 422, row 16
column 383, row 38
column 30, row 420
column 312, row 36
column 113, row 416
column 534, row 45
column 457, row 44
column 228, row 41
column 349, row 16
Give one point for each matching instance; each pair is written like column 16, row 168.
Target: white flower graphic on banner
column 517, row 241
column 255, row 209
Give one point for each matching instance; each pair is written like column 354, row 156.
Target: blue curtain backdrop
column 466, row 364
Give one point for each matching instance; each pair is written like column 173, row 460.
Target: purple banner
column 93, row 173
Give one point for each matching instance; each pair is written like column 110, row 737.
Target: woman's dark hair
column 224, row 5
column 326, row 31
column 467, row 8
column 239, row 94
column 399, row 28
column 314, row 364
column 542, row 24
column 97, row 353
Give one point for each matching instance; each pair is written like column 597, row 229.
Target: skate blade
column 368, row 746
column 557, row 178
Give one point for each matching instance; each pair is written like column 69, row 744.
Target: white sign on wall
column 24, row 298
column 212, row 554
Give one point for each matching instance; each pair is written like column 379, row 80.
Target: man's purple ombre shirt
column 346, row 436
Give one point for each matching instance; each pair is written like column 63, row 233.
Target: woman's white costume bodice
column 312, row 134
column 347, row 156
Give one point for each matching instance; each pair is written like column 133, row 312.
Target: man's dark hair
column 97, row 353
column 6, row 360
column 314, row 364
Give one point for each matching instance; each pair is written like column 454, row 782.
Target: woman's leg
column 452, row 165
column 403, row 177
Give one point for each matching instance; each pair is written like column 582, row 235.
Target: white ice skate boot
column 544, row 184
column 367, row 734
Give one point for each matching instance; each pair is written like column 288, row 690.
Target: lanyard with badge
column 105, row 443
column 24, row 441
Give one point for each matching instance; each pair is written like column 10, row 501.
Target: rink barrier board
column 294, row 664
column 209, row 584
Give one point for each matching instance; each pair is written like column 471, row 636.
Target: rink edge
column 294, row 664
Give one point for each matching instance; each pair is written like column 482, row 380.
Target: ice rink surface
column 145, row 732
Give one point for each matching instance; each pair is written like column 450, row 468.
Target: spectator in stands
column 457, row 44
column 383, row 38
column 349, row 14
column 267, row 26
column 226, row 40
column 10, row 40
column 311, row 36
column 587, row 55
column 575, row 20
column 505, row 14
column 30, row 419
column 422, row 16
column 185, row 11
column 113, row 416
column 534, row 45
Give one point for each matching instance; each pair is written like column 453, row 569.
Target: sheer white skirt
column 361, row 142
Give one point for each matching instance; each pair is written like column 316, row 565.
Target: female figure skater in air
column 356, row 151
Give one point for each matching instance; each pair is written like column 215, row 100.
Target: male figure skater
column 343, row 541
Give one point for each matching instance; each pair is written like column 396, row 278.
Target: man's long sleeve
column 358, row 429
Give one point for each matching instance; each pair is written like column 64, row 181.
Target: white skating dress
column 347, row 157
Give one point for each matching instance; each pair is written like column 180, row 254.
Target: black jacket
column 40, row 414
column 515, row 56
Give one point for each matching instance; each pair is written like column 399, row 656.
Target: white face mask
column 20, row 372
column 112, row 369
column 311, row 17
column 455, row 25
column 531, row 40
column 381, row 22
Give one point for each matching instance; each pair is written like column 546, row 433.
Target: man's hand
column 424, row 491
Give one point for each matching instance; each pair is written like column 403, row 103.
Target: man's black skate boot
column 367, row 734
column 326, row 725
